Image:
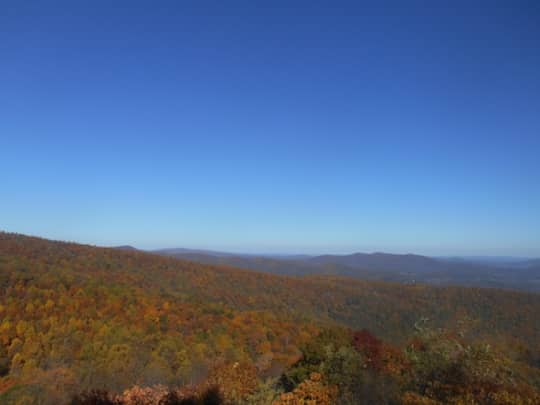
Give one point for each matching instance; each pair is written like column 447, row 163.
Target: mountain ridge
column 402, row 268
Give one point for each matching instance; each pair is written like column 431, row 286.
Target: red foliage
column 6, row 384
column 371, row 347
column 417, row 344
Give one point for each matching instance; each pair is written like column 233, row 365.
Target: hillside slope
column 387, row 308
column 89, row 316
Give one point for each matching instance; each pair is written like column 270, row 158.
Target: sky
column 266, row 127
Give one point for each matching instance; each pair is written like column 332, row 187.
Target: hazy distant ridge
column 404, row 268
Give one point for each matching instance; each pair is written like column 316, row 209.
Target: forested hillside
column 76, row 318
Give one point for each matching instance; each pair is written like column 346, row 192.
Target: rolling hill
column 85, row 316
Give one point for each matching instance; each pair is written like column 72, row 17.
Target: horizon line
column 276, row 253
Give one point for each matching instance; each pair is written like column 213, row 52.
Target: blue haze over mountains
column 475, row 271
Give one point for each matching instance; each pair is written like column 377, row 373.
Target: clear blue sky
column 273, row 126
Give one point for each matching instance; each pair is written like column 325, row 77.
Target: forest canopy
column 79, row 322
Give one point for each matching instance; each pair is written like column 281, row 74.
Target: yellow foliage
column 49, row 304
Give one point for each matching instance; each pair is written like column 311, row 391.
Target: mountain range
column 521, row 274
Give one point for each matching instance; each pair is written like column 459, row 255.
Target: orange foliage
column 310, row 392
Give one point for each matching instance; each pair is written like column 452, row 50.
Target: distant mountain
column 125, row 247
column 529, row 263
column 180, row 252
column 501, row 261
column 174, row 252
column 402, row 268
column 286, row 266
column 382, row 261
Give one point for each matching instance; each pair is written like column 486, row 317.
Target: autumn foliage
column 80, row 323
column 312, row 391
